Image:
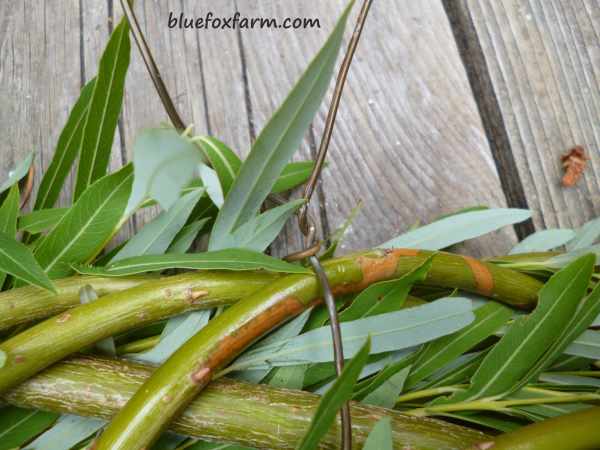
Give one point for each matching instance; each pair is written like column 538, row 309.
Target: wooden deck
column 449, row 103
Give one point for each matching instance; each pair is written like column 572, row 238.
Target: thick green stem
column 48, row 342
column 30, row 303
column 247, row 414
column 193, row 366
column 576, row 431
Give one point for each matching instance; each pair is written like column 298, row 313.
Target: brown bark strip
column 484, row 280
column 234, row 343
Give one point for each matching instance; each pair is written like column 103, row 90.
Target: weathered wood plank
column 408, row 141
column 39, row 78
column 543, row 59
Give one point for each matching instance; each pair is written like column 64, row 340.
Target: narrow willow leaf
column 225, row 162
column 338, row 235
column 380, row 437
column 586, row 236
column 67, row 149
column 456, row 372
column 259, row 232
column 386, row 394
column 104, row 109
column 580, row 321
column 529, row 336
column 334, row 398
column 9, row 212
column 278, row 141
column 227, row 165
column 155, row 237
column 562, row 260
column 18, row 426
column 2, row 359
column 16, row 259
column 90, row 223
column 37, row 221
column 211, row 182
column 17, row 173
column 457, row 228
column 219, row 260
column 186, row 236
column 587, row 345
column 502, row 424
column 569, row 380
column 435, row 355
column 176, row 333
column 67, row 432
column 293, row 175
column 389, row 332
column 543, row 241
column 399, row 362
column 164, row 163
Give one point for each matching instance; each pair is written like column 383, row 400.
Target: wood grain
column 409, row 141
column 543, row 60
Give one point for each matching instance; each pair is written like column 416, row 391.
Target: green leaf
column 17, row 173
column 456, row 372
column 67, row 149
column 2, row 359
column 457, row 228
column 398, row 361
column 258, row 233
column 90, row 223
column 387, row 393
column 104, row 109
column 230, row 259
column 334, row 398
column 389, row 332
column 380, row 437
column 529, row 336
column 155, row 237
column 586, row 236
column 9, row 212
column 588, row 310
column 186, row 236
column 211, row 182
column 278, row 141
column 17, row 260
column 587, row 345
column 569, row 380
column 543, row 241
column 435, row 355
column 37, row 221
column 67, row 432
column 293, row 175
column 164, row 163
column 225, row 162
column 18, row 426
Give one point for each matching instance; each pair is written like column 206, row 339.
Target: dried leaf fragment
column 574, row 163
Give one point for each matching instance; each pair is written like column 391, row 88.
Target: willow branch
column 574, row 431
column 247, row 414
column 196, row 363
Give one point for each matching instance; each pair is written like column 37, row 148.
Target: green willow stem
column 426, row 393
column 138, row 346
column 575, row 431
column 195, row 364
column 502, row 405
column 247, row 414
column 30, row 303
column 50, row 341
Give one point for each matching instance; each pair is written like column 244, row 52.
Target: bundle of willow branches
column 145, row 345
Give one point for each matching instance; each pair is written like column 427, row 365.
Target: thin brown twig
column 28, row 186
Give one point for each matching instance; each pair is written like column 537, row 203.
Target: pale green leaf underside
column 17, row 173
column 543, row 241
